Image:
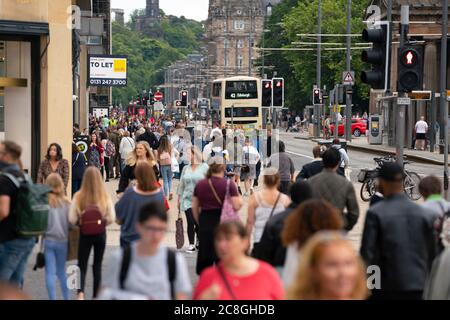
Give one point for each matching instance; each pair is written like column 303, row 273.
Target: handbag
column 179, row 232
column 40, row 257
column 228, row 213
column 245, row 167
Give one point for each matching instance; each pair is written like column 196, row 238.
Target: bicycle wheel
column 411, row 185
column 367, row 190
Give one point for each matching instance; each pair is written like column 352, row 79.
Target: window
column 225, row 61
column 240, row 44
column 240, row 61
column 239, row 25
column 217, row 89
column 225, row 43
column 241, row 90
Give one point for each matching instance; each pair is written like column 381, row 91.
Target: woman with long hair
column 56, row 237
column 310, row 217
column 142, row 152
column 78, row 167
column 237, row 276
column 54, row 163
column 207, row 203
column 248, row 170
column 330, row 269
column 165, row 154
column 133, row 199
column 93, row 210
column 264, row 204
column 191, row 175
column 95, row 152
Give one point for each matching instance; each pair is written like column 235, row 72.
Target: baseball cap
column 391, row 171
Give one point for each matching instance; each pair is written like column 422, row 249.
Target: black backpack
column 125, row 266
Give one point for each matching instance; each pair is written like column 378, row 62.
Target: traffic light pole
column 443, row 96
column 348, row 109
column 335, row 111
column 401, row 108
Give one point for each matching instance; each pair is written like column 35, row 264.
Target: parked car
column 359, row 127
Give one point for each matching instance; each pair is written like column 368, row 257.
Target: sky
column 192, row 9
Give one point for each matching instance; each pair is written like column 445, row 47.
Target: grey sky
column 192, row 9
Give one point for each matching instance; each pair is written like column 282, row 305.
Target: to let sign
column 107, row 70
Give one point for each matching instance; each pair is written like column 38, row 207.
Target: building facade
column 36, row 77
column 233, row 30
column 149, row 22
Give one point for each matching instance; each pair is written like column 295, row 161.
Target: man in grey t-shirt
column 147, row 275
column 285, row 167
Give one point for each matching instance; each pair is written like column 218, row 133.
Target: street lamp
column 269, row 8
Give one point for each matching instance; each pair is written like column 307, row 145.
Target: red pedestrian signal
column 278, row 92
column 266, row 99
column 410, row 68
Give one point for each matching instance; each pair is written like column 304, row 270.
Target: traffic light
column 184, row 98
column 410, row 68
column 152, row 99
column 266, row 93
column 317, row 96
column 378, row 57
column 278, row 92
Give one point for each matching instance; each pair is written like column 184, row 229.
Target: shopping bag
column 179, row 232
column 175, row 165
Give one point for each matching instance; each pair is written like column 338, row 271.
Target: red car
column 359, row 127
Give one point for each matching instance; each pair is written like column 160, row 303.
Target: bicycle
column 368, row 178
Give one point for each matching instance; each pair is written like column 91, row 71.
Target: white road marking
column 300, row 155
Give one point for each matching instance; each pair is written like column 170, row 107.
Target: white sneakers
column 191, row 248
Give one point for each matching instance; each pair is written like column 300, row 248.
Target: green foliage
column 292, row 17
column 148, row 57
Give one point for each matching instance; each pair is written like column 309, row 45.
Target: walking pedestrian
column 134, row 198
column 307, row 219
column 237, row 276
column 149, row 137
column 431, row 190
column 285, row 166
column 142, row 152
column 108, row 155
column 116, row 137
column 94, row 152
column 421, row 129
column 54, row 163
column 126, row 146
column 91, row 203
column 191, row 175
column 329, row 269
column 345, row 160
column 78, row 167
column 312, row 168
column 248, row 170
column 165, row 154
column 14, row 250
column 146, row 269
column 56, row 237
column 271, row 248
column 265, row 204
column 336, row 189
column 403, row 254
column 207, row 202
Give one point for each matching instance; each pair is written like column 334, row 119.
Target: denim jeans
column 76, row 185
column 13, row 259
column 55, row 266
column 166, row 173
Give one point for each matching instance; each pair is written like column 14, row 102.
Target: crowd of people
column 292, row 245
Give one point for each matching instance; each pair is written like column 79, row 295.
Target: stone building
column 149, row 22
column 233, row 30
column 425, row 26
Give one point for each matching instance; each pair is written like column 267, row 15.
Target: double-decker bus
column 203, row 108
column 239, row 101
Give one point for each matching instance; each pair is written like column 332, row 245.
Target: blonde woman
column 330, row 269
column 56, row 237
column 92, row 210
column 142, row 152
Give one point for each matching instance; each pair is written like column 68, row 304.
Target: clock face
column 238, row 12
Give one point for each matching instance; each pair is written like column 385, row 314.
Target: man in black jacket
column 271, row 248
column 150, row 137
column 398, row 239
column 314, row 167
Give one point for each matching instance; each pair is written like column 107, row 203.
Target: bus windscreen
column 241, row 90
column 242, row 112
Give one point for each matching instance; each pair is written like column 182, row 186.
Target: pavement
column 362, row 144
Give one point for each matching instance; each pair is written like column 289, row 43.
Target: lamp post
column 268, row 15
